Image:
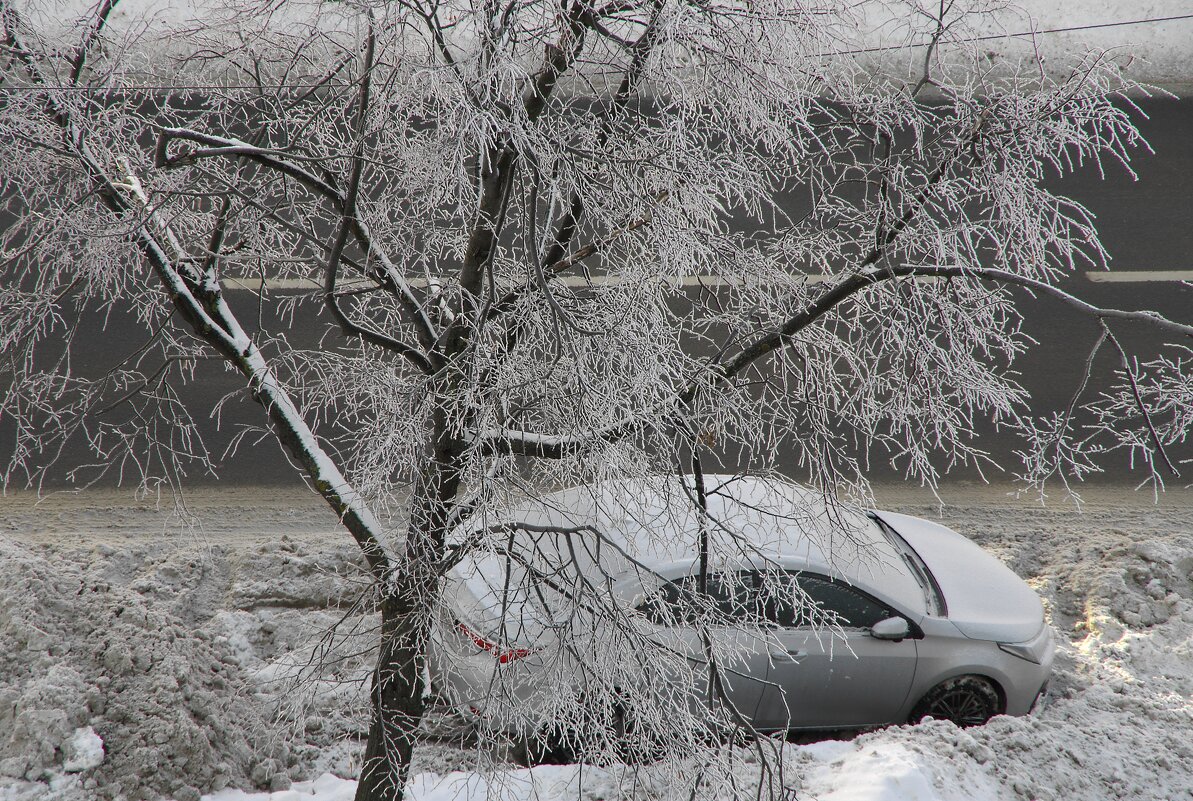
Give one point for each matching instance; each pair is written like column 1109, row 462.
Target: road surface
column 1146, row 225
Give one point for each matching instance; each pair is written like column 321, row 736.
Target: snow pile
column 851, row 771
column 832, row 771
column 83, row 751
column 173, row 667
column 114, row 665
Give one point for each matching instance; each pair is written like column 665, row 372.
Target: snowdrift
column 144, row 658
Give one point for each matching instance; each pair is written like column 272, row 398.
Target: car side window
column 667, row 605
column 788, row 600
column 730, row 596
column 790, row 606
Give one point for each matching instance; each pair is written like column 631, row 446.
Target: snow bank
column 882, row 771
column 140, row 667
column 111, row 682
column 834, row 771
column 83, row 751
column 118, row 661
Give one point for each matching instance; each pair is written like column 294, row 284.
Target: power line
column 344, row 84
column 1118, row 24
column 1023, row 34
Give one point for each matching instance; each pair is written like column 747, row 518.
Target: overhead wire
column 1021, row 34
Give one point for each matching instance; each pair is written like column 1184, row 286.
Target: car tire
column 623, row 739
column 543, row 749
column 964, row 700
column 635, row 743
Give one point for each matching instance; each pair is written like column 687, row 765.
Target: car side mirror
column 892, row 628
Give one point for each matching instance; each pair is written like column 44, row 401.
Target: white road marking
column 573, row 281
column 283, row 284
column 688, row 281
column 1138, row 276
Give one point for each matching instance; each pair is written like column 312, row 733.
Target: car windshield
column 933, row 599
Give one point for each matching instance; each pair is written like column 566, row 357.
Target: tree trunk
column 396, row 699
column 409, row 595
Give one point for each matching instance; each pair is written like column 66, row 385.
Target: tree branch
column 566, row 263
column 497, row 167
column 870, row 276
column 202, row 306
column 386, row 275
column 348, row 219
column 101, row 19
column 1129, row 371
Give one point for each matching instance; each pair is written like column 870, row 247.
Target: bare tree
column 561, row 242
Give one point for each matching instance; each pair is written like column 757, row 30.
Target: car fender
column 943, row 658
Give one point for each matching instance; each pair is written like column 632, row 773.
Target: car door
column 829, row 677
column 742, row 658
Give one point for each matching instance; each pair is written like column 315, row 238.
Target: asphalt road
column 1146, row 224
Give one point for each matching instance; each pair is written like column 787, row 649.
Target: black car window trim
column 747, row 579
column 849, row 588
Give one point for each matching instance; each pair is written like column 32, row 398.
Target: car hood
column 985, row 599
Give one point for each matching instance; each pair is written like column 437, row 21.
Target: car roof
column 651, row 525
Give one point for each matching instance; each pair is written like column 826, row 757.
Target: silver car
column 857, row 619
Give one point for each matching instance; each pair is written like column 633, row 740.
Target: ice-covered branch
column 835, row 295
column 565, row 263
column 385, row 272
column 349, row 219
column 201, row 304
column 541, row 446
column 1151, row 318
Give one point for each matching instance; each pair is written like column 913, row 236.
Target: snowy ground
column 143, row 655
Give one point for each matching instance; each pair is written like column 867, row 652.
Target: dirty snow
column 143, row 655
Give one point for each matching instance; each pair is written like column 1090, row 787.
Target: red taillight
column 503, row 654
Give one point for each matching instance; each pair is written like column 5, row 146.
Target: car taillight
column 502, row 654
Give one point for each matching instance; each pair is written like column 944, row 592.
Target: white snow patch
column 843, row 771
column 881, row 771
column 325, row 788
column 84, row 751
column 525, row 784
column 236, row 628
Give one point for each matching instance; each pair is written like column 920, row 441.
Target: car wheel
column 965, row 700
column 635, row 743
column 550, row 750
column 559, row 745
column 623, row 738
